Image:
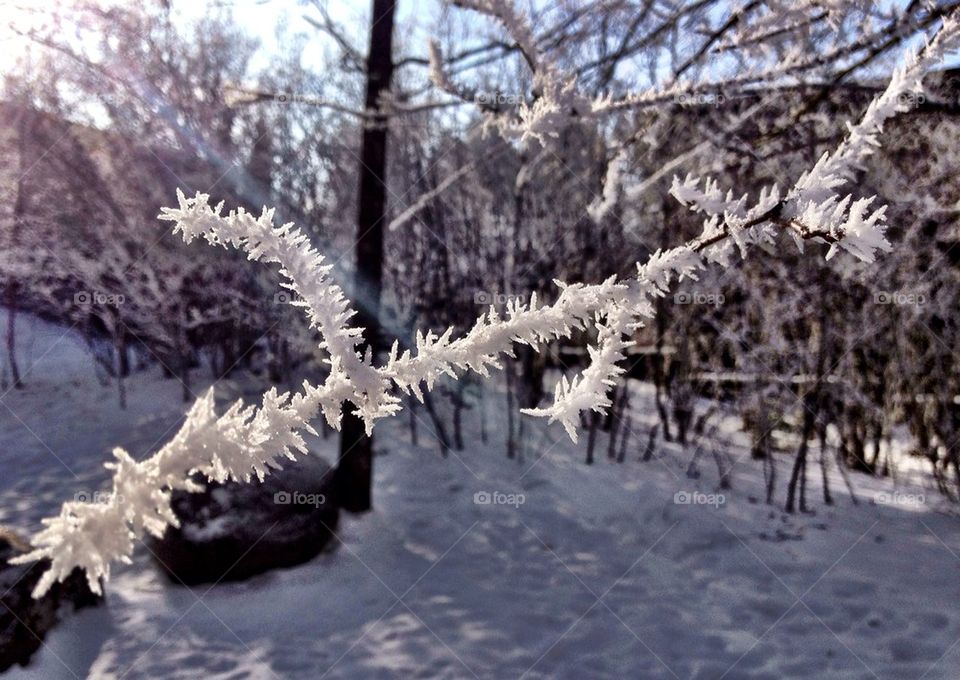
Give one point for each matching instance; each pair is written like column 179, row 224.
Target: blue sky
column 264, row 18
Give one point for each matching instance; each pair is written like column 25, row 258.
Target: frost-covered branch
column 557, row 100
column 778, row 18
column 612, row 182
column 812, row 208
column 247, row 441
column 426, row 198
column 516, row 23
column 325, row 305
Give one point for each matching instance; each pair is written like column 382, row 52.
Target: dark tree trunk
column 614, row 422
column 812, row 402
column 353, row 478
column 723, row 470
column 511, row 444
column 770, row 474
column 122, row 368
column 827, row 498
column 482, row 405
column 660, row 372
column 800, row 465
column 621, row 456
column 438, row 429
column 592, row 436
column 24, row 130
column 842, row 466
column 123, row 354
column 12, row 334
column 651, row 444
column 459, row 404
column 411, row 405
column 185, row 393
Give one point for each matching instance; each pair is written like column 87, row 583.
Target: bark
column 624, row 440
column 24, row 129
column 799, row 466
column 437, row 422
column 614, row 422
column 411, row 405
column 458, row 406
column 592, row 435
column 824, row 460
column 353, row 477
column 122, row 366
column 651, row 444
column 482, row 405
column 842, row 466
column 11, row 334
column 659, row 371
column 511, row 446
column 769, row 472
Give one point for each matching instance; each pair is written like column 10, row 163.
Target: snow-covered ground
column 599, row 573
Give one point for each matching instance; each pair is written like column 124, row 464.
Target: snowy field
column 599, row 573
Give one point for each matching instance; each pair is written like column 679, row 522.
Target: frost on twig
column 307, row 277
column 425, row 199
column 813, row 209
column 250, row 441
